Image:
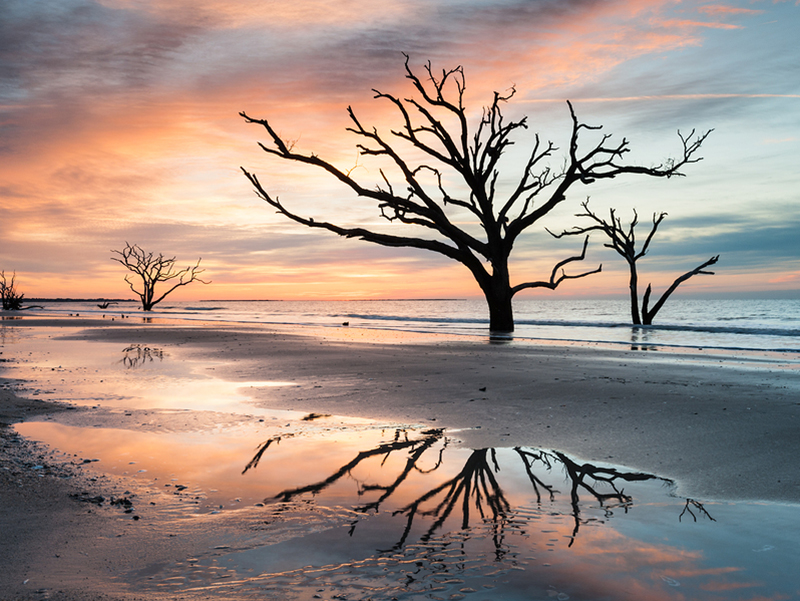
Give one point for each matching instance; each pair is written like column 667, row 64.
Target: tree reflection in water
column 137, row 355
column 475, row 492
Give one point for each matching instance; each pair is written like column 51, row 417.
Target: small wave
column 419, row 319
column 703, row 329
column 734, row 327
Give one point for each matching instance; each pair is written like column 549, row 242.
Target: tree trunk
column 501, row 315
column 634, row 288
column 498, row 296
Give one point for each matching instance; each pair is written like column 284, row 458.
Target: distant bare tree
column 153, row 270
column 10, row 296
column 623, row 241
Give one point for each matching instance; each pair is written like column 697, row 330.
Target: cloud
column 118, row 118
column 70, row 48
column 744, row 246
column 787, row 278
column 698, row 24
column 724, row 10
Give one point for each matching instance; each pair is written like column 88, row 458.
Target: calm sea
column 746, row 325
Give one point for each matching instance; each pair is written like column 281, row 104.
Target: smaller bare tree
column 10, row 296
column 152, row 270
column 623, row 241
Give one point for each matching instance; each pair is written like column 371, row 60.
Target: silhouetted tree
column 436, row 126
column 153, row 270
column 9, row 295
column 623, row 241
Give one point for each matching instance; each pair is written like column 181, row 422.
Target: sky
column 119, row 122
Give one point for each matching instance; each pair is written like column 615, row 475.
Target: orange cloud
column 786, row 278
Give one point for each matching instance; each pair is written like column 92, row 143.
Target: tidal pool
column 134, row 376
column 297, row 506
column 333, row 512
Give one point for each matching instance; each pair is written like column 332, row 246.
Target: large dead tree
column 435, row 125
column 152, row 270
column 623, row 241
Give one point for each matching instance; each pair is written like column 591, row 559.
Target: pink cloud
column 786, row 278
column 721, row 9
column 695, row 24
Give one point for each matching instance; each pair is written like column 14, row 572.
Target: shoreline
column 367, row 334
column 617, row 335
column 722, row 427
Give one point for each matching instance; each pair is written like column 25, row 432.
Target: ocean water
column 743, row 325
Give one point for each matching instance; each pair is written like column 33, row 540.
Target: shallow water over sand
column 297, row 506
column 378, row 513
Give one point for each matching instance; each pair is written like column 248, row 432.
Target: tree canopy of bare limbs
column 10, row 297
column 151, row 270
column 623, row 241
column 414, row 193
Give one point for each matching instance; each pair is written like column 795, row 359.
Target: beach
column 721, row 426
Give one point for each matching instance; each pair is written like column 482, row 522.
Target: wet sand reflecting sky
column 334, row 505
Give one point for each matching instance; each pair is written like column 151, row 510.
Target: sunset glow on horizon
column 119, row 122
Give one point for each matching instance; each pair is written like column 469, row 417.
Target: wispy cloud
column 660, row 97
column 725, row 10
column 698, row 24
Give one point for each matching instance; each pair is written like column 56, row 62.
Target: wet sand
column 723, row 427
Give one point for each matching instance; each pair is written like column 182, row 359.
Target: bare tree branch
column 648, row 315
column 687, row 508
column 555, row 278
column 361, row 233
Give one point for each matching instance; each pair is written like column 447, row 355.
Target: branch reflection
column 474, row 494
column 136, row 355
